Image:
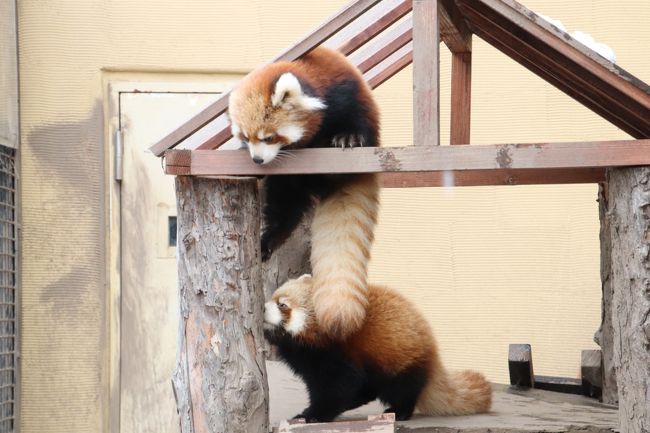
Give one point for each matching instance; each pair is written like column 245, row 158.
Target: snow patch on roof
column 585, row 39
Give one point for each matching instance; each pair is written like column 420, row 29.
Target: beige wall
column 70, row 49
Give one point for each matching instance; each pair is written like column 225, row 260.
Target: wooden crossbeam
column 500, row 164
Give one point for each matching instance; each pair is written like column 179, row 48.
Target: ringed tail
column 342, row 236
column 458, row 393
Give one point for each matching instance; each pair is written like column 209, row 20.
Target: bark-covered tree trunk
column 220, row 379
column 291, row 260
column 629, row 213
column 605, row 334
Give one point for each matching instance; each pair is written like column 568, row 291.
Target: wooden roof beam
column 454, row 31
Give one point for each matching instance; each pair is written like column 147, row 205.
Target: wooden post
column 604, row 337
column 461, row 95
column 426, row 72
column 220, row 379
column 629, row 220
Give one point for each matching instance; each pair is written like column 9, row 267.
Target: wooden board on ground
column 384, row 423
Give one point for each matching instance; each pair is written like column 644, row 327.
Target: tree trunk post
column 220, row 378
column 605, row 334
column 629, row 219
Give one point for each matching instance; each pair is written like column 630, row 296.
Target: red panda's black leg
column 402, row 391
column 287, row 198
column 335, row 387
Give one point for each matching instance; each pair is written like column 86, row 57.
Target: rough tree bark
column 605, row 335
column 291, row 260
column 629, row 218
column 220, row 378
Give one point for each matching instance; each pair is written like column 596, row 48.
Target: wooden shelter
column 381, row 38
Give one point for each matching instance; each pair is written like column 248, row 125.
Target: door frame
column 115, row 84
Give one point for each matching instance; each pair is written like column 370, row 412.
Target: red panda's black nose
column 258, row 160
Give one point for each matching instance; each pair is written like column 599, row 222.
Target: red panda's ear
column 304, row 277
column 288, row 94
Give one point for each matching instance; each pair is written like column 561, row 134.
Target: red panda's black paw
column 399, row 415
column 308, row 419
column 348, row 141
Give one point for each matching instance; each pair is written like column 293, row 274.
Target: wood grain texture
column 220, row 379
column 629, row 218
column 461, row 97
column 428, row 158
column 426, row 73
column 315, row 38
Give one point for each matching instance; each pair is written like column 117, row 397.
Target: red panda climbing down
column 320, row 100
column 393, row 357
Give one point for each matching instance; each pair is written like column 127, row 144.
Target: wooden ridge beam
column 315, row 38
column 569, row 156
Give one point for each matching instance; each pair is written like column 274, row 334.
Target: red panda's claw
column 348, row 140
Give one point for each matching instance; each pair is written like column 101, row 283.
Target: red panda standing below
column 393, row 357
column 319, row 100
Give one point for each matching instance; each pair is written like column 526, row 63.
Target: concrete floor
column 530, row 411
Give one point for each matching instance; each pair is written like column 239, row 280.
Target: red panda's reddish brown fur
column 395, row 339
column 319, row 100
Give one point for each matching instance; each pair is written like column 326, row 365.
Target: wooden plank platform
column 520, row 411
column 500, row 164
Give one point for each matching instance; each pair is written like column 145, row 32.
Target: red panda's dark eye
column 282, row 306
column 269, row 139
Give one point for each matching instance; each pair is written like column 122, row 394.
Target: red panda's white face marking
column 266, row 123
column 290, row 308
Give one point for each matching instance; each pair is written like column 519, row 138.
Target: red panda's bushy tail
column 342, row 235
column 458, row 393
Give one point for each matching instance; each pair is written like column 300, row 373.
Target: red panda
column 392, row 357
column 319, row 100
